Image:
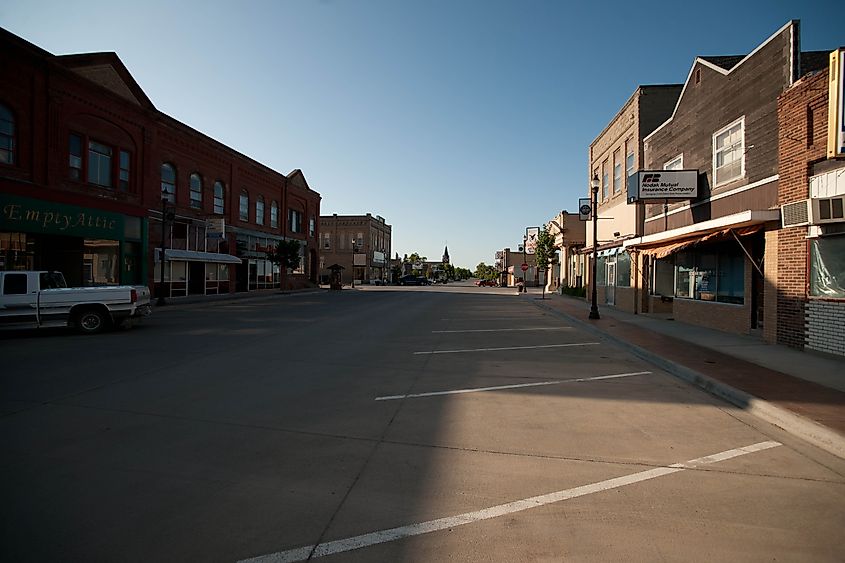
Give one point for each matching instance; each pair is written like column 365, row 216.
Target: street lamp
column 354, row 250
column 594, row 184
column 161, row 301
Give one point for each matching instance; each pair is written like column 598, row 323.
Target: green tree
column 286, row 256
column 544, row 253
column 485, row 272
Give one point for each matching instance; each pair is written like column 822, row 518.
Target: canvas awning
column 664, row 250
column 197, row 256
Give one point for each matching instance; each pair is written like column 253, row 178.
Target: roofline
column 699, row 60
column 625, row 105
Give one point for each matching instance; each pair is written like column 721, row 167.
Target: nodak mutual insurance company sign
column 663, row 184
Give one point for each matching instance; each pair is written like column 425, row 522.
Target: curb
column 248, row 298
column 799, row 426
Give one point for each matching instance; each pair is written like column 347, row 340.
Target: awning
column 197, row 256
column 662, row 251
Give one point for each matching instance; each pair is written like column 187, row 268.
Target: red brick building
column 806, row 258
column 87, row 163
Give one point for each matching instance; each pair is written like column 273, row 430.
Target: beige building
column 359, row 243
column 614, row 155
column 569, row 233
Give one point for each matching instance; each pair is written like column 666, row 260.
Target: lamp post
column 354, row 249
column 594, row 308
column 160, row 300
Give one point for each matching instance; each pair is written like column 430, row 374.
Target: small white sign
column 216, row 227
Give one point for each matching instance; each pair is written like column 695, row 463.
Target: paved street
column 389, row 424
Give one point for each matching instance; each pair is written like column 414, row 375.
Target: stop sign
column 524, row 267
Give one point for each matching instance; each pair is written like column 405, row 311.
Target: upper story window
column 729, row 152
column 243, row 206
column 219, row 201
column 196, row 191
column 75, row 159
column 327, row 241
column 617, row 171
column 99, row 164
column 312, row 226
column 629, row 159
column 295, row 220
column 604, row 180
column 274, row 215
column 676, row 163
column 259, row 210
column 124, row 175
column 168, row 182
column 7, row 136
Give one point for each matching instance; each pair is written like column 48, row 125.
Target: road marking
column 393, row 534
column 506, row 348
column 514, row 386
column 500, row 330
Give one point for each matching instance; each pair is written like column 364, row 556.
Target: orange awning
column 664, row 250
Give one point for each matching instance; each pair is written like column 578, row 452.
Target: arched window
column 7, row 136
column 168, row 182
column 243, row 206
column 219, row 201
column 196, row 191
column 259, row 210
column 274, row 215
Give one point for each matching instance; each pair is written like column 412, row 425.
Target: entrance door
column 196, row 278
column 610, row 288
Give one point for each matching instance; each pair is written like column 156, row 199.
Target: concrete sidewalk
column 801, row 392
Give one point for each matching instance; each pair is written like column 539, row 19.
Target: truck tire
column 91, row 321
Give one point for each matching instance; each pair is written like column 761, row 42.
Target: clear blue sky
column 460, row 122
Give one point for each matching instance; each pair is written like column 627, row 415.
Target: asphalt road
column 388, row 424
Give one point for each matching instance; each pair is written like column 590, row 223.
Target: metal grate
column 795, row 214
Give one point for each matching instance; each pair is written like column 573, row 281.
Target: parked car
column 486, row 283
column 42, row 299
column 413, row 280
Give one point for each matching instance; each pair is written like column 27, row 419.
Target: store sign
column 663, row 185
column 378, row 257
column 836, row 105
column 34, row 216
column 216, row 228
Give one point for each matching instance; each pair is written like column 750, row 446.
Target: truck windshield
column 52, row 280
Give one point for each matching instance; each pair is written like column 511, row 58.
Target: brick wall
column 802, row 140
column 825, row 325
column 770, row 294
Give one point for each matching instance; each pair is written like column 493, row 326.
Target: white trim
column 724, row 72
column 741, row 219
column 725, row 129
column 728, row 193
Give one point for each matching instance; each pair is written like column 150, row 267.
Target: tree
column 544, row 253
column 285, row 255
column 485, row 272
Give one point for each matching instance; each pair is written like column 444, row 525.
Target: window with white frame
column 274, row 215
column 729, row 153
column 259, row 210
column 219, row 202
column 196, row 190
column 604, row 180
column 617, row 171
column 676, row 163
column 629, row 159
column 243, row 206
column 295, row 220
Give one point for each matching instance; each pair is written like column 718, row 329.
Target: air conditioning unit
column 827, row 210
column 796, row 214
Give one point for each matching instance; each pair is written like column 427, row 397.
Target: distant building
column 569, row 234
column 446, row 255
column 359, row 243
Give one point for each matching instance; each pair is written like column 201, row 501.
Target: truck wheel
column 90, row 321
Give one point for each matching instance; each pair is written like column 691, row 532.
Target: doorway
column 196, row 278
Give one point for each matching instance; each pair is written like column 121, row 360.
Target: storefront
column 89, row 246
column 254, row 270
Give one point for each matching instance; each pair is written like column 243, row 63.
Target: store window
column 243, row 206
column 827, row 267
column 274, row 215
column 219, row 201
column 259, row 210
column 7, row 135
column 713, row 274
column 663, row 278
column 168, row 183
column 196, row 191
column 100, row 262
column 623, row 269
column 601, row 271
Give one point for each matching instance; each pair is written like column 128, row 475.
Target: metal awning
column 197, row 256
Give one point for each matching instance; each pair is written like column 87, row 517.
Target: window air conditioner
column 796, row 214
column 827, row 210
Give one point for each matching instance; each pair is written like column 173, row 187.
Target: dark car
column 413, row 280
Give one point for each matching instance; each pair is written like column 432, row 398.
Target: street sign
column 584, row 209
column 524, row 267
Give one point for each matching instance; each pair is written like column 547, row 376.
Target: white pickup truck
column 42, row 299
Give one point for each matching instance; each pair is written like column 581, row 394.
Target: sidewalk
column 801, row 392
column 175, row 302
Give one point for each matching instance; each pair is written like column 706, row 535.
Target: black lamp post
column 354, row 249
column 594, row 184
column 161, row 301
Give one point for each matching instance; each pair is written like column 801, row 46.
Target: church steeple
column 446, row 255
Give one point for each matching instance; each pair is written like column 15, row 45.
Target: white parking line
column 500, row 330
column 514, row 386
column 506, row 348
column 393, row 534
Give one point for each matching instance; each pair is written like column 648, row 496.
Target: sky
column 461, row 122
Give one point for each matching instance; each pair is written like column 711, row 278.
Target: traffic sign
column 524, row 267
